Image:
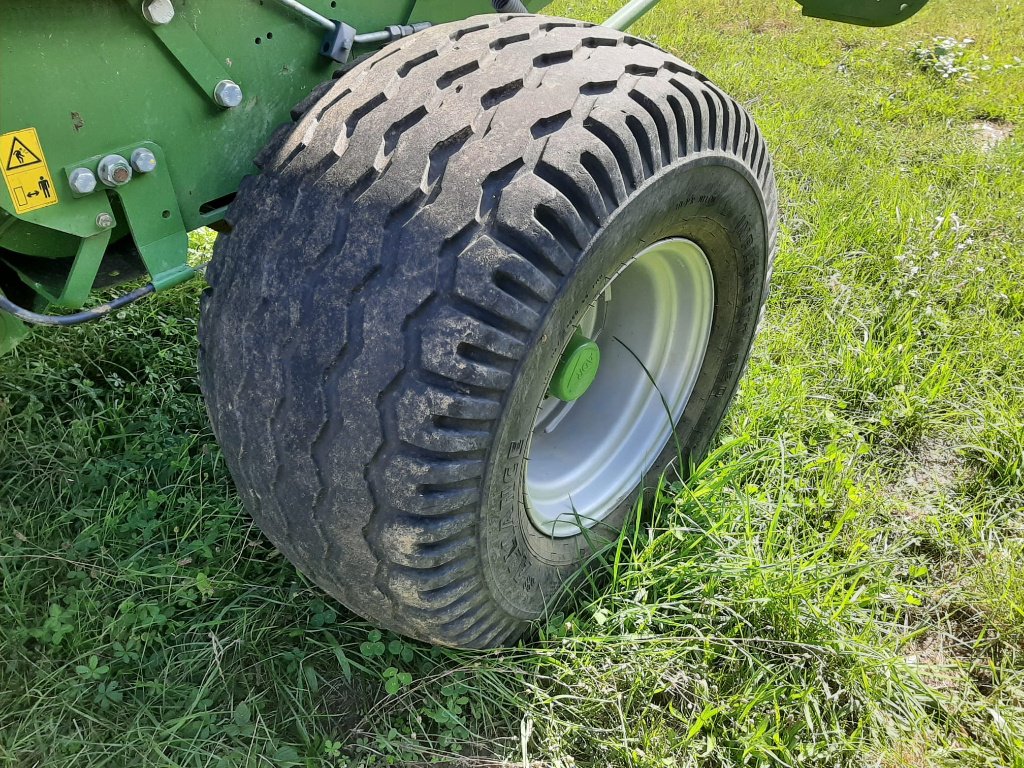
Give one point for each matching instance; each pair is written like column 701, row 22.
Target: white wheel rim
column 588, row 455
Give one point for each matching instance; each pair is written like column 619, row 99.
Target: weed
column 946, row 57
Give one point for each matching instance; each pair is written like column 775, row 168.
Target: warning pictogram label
column 20, row 156
column 25, row 171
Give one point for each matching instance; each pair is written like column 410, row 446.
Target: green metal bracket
column 152, row 210
column 83, row 272
column 182, row 42
column 153, row 216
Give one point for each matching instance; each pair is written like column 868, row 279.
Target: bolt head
column 143, row 160
column 114, row 171
column 105, row 221
column 82, row 180
column 227, row 93
column 158, row 12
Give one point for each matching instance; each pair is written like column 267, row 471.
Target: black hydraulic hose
column 509, row 6
column 85, row 316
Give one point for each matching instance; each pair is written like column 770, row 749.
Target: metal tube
column 624, row 18
column 309, row 13
column 395, row 32
column 384, row 36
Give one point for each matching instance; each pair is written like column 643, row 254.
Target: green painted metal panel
column 866, row 13
column 94, row 75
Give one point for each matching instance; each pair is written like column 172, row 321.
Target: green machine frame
column 143, row 116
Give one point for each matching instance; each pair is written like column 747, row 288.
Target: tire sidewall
column 712, row 200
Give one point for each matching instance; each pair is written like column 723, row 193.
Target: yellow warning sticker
column 25, row 171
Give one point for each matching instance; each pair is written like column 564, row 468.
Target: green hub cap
column 576, row 370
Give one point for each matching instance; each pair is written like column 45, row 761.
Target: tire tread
column 537, row 184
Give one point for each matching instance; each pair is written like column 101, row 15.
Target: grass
column 839, row 583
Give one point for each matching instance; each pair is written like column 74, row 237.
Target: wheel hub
column 619, row 387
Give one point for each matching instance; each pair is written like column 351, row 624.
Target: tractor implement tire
column 399, row 344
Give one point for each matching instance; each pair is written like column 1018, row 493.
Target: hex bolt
column 158, row 12
column 114, row 171
column 143, row 160
column 82, row 180
column 105, row 221
column 227, row 93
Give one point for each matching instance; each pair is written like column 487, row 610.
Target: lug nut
column 158, row 12
column 114, row 171
column 82, row 180
column 104, row 221
column 227, row 93
column 143, row 160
